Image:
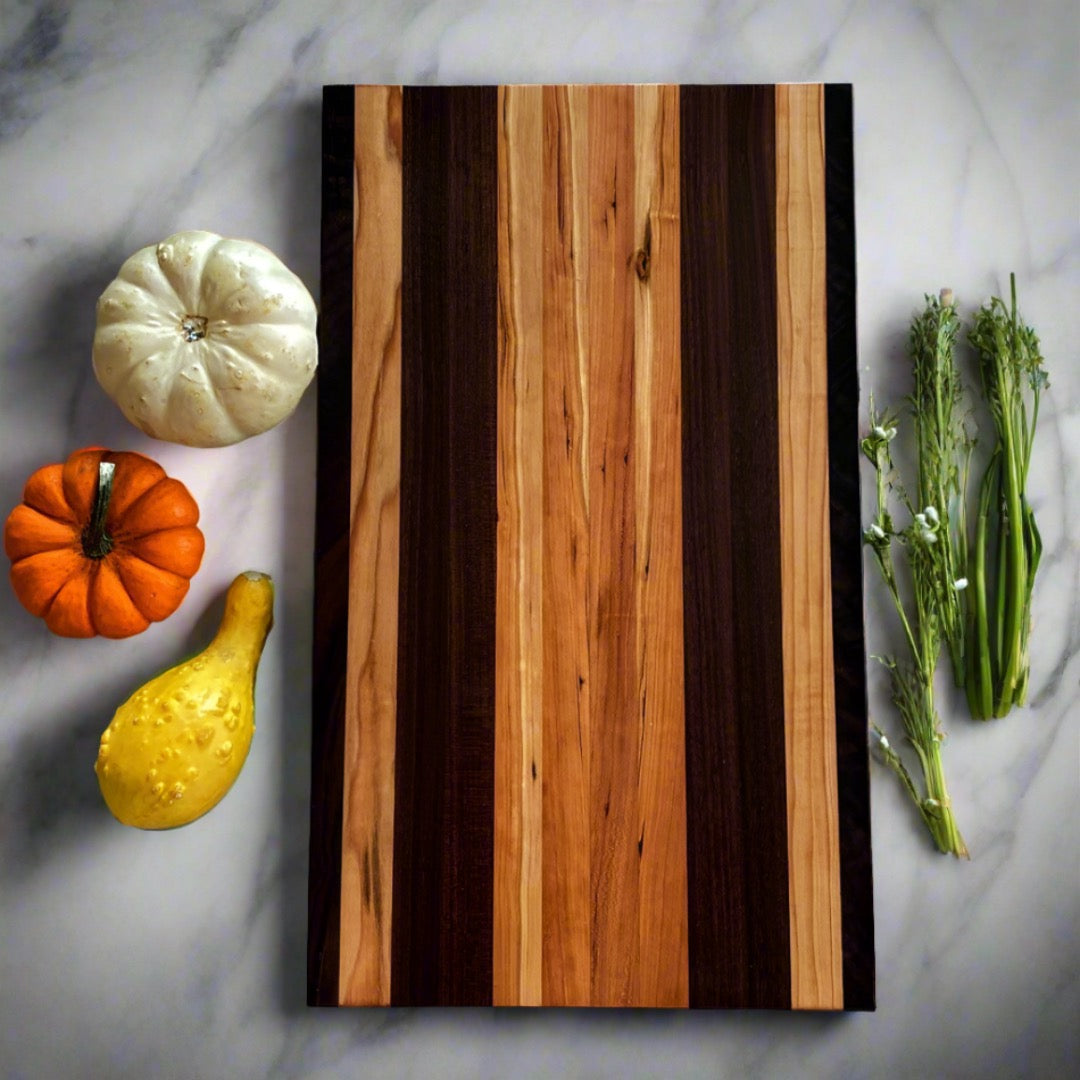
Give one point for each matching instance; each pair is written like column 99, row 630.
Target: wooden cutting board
column 589, row 703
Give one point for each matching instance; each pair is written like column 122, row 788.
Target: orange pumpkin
column 103, row 544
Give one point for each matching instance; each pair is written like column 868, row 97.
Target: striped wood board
column 589, row 702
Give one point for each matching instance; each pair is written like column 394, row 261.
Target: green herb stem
column 912, row 682
column 943, row 449
column 939, row 809
column 980, row 672
column 1010, row 363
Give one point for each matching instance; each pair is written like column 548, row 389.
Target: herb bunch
column 1007, row 542
column 924, row 541
column 943, row 446
column 985, row 625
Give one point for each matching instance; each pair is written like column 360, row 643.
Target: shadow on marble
column 50, row 789
column 57, row 336
column 49, row 797
column 294, row 620
column 555, row 1027
column 63, row 330
column 301, row 145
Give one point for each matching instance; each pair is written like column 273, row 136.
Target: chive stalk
column 1013, row 377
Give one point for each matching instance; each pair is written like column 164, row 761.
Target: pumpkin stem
column 96, row 542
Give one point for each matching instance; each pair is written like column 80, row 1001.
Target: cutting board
column 589, row 716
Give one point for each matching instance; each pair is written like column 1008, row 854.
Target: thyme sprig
column 943, row 445
column 912, row 679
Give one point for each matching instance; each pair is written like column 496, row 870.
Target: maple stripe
column 663, row 963
column 567, row 695
column 519, row 652
column 371, row 692
column 612, row 597
column 803, row 426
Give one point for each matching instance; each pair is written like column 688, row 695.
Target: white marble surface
column 182, row 954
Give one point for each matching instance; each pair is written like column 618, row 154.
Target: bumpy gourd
column 176, row 746
column 204, row 340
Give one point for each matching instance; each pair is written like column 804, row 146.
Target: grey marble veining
column 182, row 954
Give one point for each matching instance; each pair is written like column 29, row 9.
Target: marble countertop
column 129, row 954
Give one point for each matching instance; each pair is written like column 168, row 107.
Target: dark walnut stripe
column 331, row 546
column 735, row 753
column 849, row 651
column 441, row 938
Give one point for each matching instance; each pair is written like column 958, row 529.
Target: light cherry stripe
column 612, row 603
column 663, row 967
column 519, row 627
column 371, row 687
column 567, row 720
column 810, row 720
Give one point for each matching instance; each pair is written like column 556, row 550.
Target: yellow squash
column 176, row 746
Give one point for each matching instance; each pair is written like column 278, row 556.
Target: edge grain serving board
column 589, row 702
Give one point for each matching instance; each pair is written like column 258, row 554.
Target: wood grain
column 328, row 659
column 371, row 692
column 735, row 753
column 519, row 603
column 849, row 649
column 663, row 965
column 803, row 426
column 615, row 728
column 441, row 940
column 589, row 510
column 567, row 716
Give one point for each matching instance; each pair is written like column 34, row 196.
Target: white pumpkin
column 205, row 341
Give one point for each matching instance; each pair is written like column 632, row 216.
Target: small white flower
column 960, row 584
column 928, row 537
column 878, row 739
column 932, row 515
column 875, row 532
column 931, row 804
column 920, row 520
